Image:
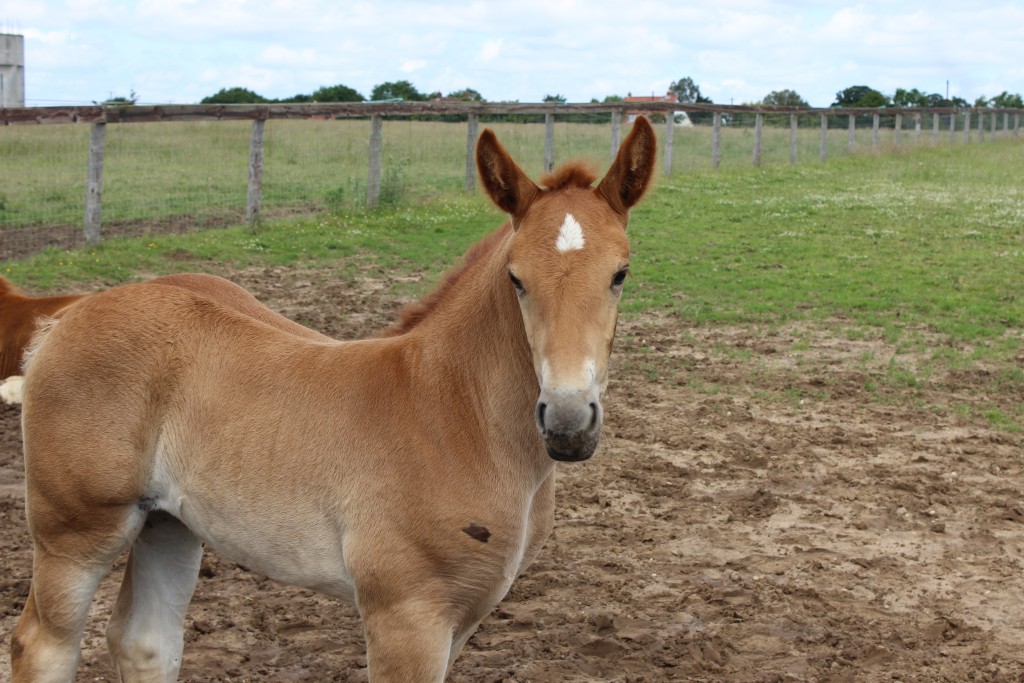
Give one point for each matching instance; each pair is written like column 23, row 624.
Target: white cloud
column 490, row 50
column 281, row 56
column 50, row 38
column 848, row 24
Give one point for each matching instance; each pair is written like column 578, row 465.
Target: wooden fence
column 977, row 122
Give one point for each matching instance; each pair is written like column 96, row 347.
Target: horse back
column 236, row 298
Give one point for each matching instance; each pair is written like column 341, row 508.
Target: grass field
column 923, row 246
column 198, row 170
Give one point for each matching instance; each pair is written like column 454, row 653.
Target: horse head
column 568, row 261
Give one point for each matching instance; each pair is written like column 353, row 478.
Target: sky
column 736, row 51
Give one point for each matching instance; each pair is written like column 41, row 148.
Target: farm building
column 680, row 117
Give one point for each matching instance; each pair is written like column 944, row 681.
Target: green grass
column 412, row 238
column 931, row 239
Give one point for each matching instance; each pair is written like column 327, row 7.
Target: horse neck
column 474, row 346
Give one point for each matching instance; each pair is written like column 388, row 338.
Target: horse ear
column 630, row 173
column 509, row 188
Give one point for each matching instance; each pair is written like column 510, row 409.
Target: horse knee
column 143, row 658
column 36, row 655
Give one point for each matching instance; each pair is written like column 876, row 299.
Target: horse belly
column 282, row 536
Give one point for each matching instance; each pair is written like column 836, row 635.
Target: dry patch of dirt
column 758, row 511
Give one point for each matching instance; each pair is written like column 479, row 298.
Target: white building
column 12, row 71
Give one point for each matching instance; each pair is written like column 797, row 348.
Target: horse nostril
column 541, row 408
column 593, row 415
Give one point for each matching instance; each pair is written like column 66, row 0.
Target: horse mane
column 571, row 174
column 413, row 314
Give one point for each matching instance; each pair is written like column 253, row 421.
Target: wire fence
column 168, row 173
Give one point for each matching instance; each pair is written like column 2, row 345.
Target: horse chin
column 567, row 453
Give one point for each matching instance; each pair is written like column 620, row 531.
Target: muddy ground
column 765, row 506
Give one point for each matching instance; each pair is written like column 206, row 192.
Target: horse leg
column 145, row 633
column 407, row 642
column 67, row 567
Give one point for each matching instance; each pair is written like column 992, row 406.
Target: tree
column 1006, row 100
column 910, row 98
column 119, row 100
column 466, row 95
column 554, row 99
column 860, row 96
column 686, row 90
column 784, row 98
column 336, row 93
column 397, row 90
column 296, row 99
column 236, row 95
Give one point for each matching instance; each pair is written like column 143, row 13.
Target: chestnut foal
column 412, row 473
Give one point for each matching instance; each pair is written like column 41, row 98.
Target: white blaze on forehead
column 570, row 236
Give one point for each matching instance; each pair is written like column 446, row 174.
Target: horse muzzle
column 570, row 423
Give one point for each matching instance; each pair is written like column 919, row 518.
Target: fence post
column 758, row 127
column 917, row 128
column 1006, row 123
column 852, row 126
column 1016, row 125
column 549, row 142
column 967, row 126
column 716, row 139
column 94, row 183
column 981, row 126
column 952, row 127
column 897, row 128
column 993, row 125
column 793, row 124
column 823, row 153
column 875, row 122
column 935, row 128
column 254, row 195
column 471, row 133
column 670, row 126
column 376, row 155
column 616, row 131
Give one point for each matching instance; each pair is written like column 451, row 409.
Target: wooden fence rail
column 100, row 116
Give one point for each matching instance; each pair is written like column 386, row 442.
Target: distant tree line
column 685, row 90
column 391, row 90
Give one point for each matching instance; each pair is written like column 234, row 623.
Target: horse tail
column 14, row 357
column 44, row 326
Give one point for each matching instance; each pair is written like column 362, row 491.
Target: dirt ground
column 757, row 511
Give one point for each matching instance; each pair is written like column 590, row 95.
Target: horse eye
column 620, row 277
column 516, row 283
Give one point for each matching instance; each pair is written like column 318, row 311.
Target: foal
column 412, row 473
